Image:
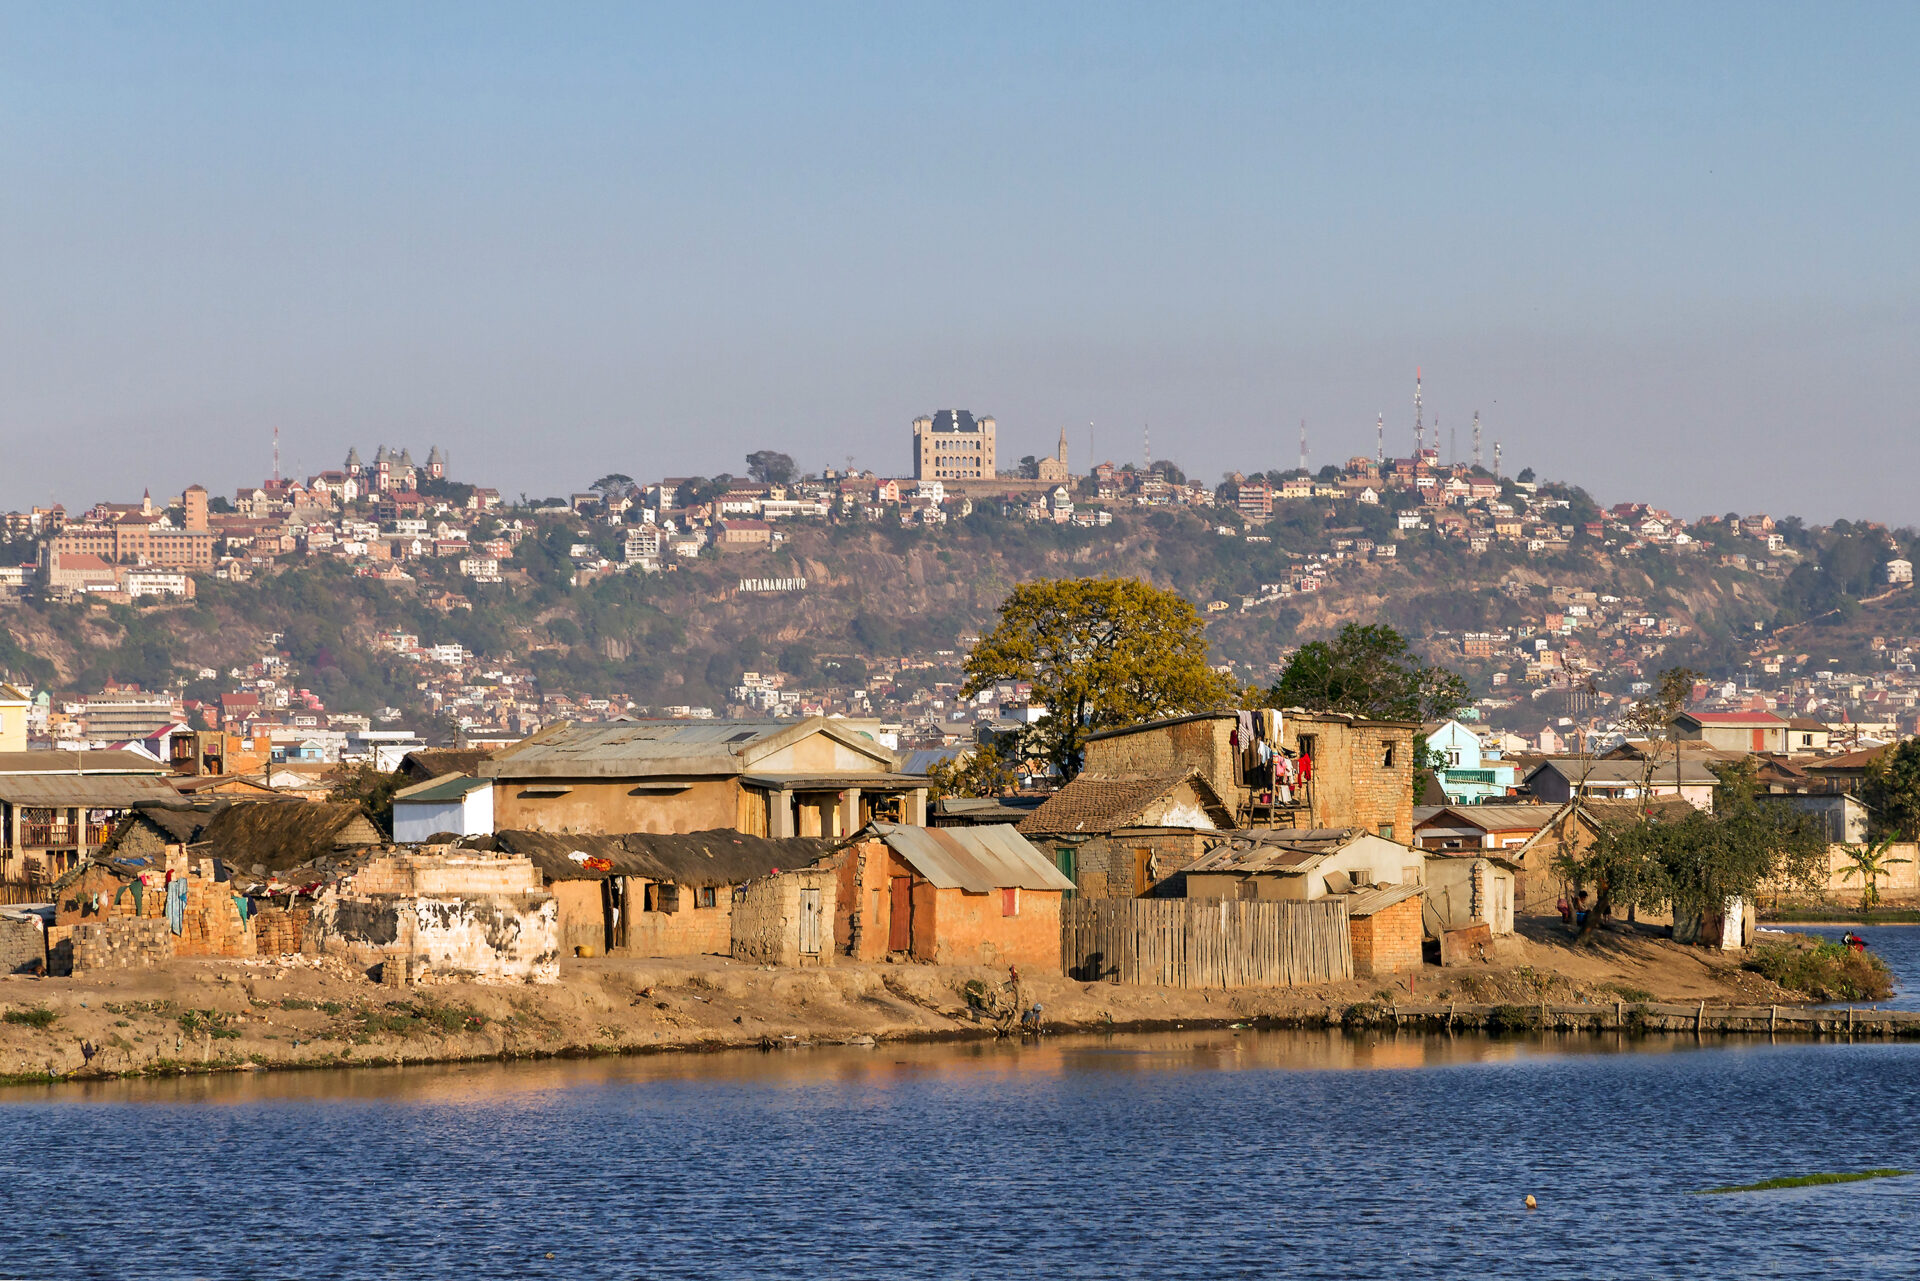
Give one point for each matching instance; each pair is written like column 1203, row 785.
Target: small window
column 706, row 897
column 1386, row 757
column 1386, row 831
column 1010, row 901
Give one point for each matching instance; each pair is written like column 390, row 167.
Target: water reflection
column 874, row 1067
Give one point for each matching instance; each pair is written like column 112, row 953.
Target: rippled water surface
column 1179, row 1155
column 1897, row 945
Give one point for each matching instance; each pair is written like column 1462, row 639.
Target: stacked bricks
column 280, row 931
column 123, row 943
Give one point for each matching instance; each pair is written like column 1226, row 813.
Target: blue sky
column 1666, row 251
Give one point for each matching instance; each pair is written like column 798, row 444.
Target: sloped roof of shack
column 699, row 859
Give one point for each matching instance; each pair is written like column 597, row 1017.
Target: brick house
column 1124, row 837
column 1362, row 771
column 950, row 896
column 1384, row 929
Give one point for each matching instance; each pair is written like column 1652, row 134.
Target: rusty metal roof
column 1363, row 903
column 93, row 791
column 975, row 859
column 640, row 748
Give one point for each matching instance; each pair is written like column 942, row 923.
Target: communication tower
column 1380, row 441
column 1303, row 444
column 1496, row 460
column 1419, row 427
column 1476, row 440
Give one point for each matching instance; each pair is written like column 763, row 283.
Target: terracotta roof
column 1852, row 760
column 1094, row 805
column 1731, row 718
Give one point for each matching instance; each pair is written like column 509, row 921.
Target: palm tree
column 1870, row 863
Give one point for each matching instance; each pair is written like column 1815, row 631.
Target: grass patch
column 1513, row 1018
column 1825, row 971
column 1629, row 993
column 1805, row 1181
column 38, row 1016
column 212, row 1022
column 401, row 1019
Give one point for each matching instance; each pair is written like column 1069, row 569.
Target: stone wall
column 1389, row 941
column 766, row 918
column 23, row 944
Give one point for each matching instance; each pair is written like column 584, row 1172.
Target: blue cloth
column 177, row 904
column 244, row 906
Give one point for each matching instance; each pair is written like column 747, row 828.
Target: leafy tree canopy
column 770, row 467
column 1892, row 789
column 1101, row 653
column 1368, row 670
column 612, row 483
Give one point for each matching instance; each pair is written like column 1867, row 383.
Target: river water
column 1897, row 945
column 1186, row 1154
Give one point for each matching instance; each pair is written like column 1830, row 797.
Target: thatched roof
column 278, row 835
column 423, row 763
column 720, row 857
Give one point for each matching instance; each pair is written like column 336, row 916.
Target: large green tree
column 1892, row 789
column 1368, row 670
column 1695, row 863
column 1101, row 653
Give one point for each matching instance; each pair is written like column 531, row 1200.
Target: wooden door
column 900, row 924
column 810, row 922
column 1142, row 872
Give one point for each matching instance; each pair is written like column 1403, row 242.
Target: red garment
column 1306, row 768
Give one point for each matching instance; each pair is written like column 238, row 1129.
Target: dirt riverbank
column 207, row 1015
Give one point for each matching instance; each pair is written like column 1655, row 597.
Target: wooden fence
column 1178, row 942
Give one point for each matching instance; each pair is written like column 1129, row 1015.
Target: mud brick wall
column 122, row 943
column 766, row 919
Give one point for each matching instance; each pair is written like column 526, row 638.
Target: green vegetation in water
column 1825, row 972
column 38, row 1016
column 1805, row 1181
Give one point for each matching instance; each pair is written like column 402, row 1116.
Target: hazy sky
column 1669, row 252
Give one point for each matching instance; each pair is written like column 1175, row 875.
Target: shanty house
column 450, row 805
column 810, row 778
column 650, row 893
column 1122, row 837
column 1287, row 863
column 952, row 896
column 786, row 918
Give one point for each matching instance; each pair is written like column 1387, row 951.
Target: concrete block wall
column 1389, row 941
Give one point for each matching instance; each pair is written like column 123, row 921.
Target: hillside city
column 1556, row 672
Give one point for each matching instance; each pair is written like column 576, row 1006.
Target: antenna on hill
column 1453, row 441
column 1146, row 445
column 1476, row 440
column 1380, row 441
column 1303, row 444
column 1419, row 427
column 1496, row 460
column 276, row 457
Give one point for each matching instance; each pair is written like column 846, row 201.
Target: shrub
column 38, row 1016
column 1825, row 971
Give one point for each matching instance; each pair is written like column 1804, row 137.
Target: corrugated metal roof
column 92, row 762
column 1363, row 903
column 447, row 787
column 654, row 747
column 94, row 791
column 976, row 859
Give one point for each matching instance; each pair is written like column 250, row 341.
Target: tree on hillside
column 612, row 483
column 985, row 769
column 770, row 467
column 1101, row 653
column 1029, row 468
column 1368, row 670
column 1892, row 790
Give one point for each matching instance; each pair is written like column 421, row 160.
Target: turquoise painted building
column 1469, row 773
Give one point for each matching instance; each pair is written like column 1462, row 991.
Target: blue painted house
column 1469, row 772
